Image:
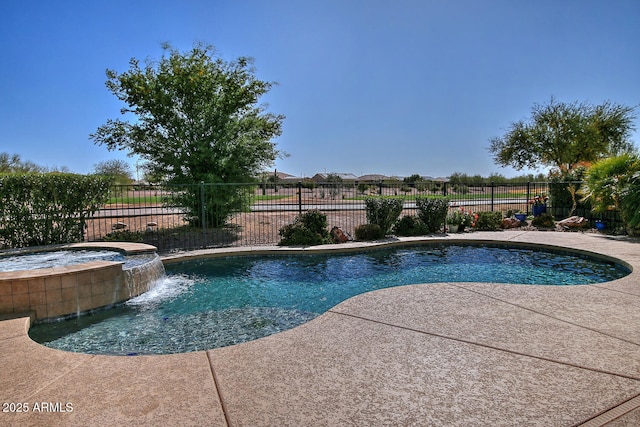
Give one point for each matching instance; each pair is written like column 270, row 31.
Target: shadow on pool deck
column 443, row 354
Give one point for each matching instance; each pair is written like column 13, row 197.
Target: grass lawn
column 453, row 197
column 268, row 197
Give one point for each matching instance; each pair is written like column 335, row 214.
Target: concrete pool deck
column 426, row 355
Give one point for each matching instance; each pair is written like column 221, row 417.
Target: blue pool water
column 218, row 302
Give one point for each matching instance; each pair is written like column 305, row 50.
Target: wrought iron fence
column 158, row 216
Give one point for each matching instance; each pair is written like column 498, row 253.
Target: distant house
column 281, row 176
column 291, row 178
column 372, row 178
column 346, row 177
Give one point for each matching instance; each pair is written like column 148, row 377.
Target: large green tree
column 195, row 118
column 562, row 136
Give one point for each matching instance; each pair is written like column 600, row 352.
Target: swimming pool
column 211, row 303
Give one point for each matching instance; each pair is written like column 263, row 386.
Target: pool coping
column 515, row 352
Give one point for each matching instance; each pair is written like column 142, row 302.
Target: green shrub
column 432, row 212
column 383, row 212
column 461, row 189
column 544, row 220
column 614, row 184
column 297, row 234
column 421, row 186
column 310, row 228
column 369, row 232
column 124, row 236
column 45, row 209
column 489, row 221
column 630, row 204
column 362, row 187
column 308, row 184
column 315, row 221
column 562, row 194
column 461, row 217
column 409, row 226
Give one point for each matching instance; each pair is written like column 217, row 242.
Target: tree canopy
column 196, row 118
column 562, row 136
column 12, row 163
column 119, row 170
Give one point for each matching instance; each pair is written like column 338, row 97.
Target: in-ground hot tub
column 74, row 288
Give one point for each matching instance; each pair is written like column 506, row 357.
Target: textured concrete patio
column 448, row 354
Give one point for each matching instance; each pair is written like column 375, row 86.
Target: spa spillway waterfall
column 115, row 273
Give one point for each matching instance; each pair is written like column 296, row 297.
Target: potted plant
column 539, row 204
column 454, row 220
column 520, row 216
column 459, row 219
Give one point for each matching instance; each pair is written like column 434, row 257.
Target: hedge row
column 44, row 209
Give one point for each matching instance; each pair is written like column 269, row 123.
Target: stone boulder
column 573, row 222
column 511, row 223
column 340, row 236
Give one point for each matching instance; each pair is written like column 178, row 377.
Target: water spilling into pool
column 218, row 302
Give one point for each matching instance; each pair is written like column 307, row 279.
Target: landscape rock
column 511, row 223
column 340, row 236
column 573, row 222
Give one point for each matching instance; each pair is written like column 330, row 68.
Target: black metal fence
column 155, row 215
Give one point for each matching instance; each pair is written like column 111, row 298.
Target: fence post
column 528, row 196
column 380, row 188
column 444, row 188
column 203, row 208
column 300, row 197
column 493, row 186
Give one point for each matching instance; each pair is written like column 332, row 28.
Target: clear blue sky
column 367, row 86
